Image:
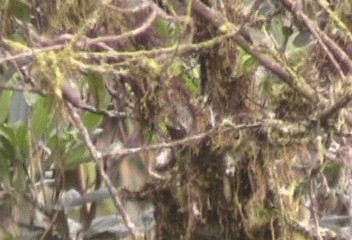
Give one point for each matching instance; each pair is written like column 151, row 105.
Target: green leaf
column 176, row 68
column 77, row 155
column 5, row 102
column 192, row 84
column 20, row 9
column 97, row 88
column 8, row 132
column 332, row 169
column 162, row 27
column 287, row 31
column 92, row 121
column 7, row 155
column 42, row 117
column 91, row 172
column 7, row 150
column 69, row 147
column 245, row 63
column 277, row 31
column 5, row 174
column 23, row 142
column 249, row 64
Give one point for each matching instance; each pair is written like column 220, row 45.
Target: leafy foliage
column 190, row 119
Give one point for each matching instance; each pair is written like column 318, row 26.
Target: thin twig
column 32, row 53
column 182, row 48
column 314, row 208
column 47, row 231
column 113, row 39
column 117, row 149
column 98, row 158
column 129, row 10
column 111, row 114
column 21, row 88
column 330, row 111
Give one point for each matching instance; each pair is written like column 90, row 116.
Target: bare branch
column 330, row 111
column 34, row 52
column 113, row 39
column 133, row 9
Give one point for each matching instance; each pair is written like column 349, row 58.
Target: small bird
column 71, row 93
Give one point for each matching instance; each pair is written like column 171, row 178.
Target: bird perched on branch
column 71, row 93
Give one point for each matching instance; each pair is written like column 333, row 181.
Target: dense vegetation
column 185, row 119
